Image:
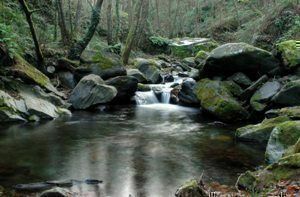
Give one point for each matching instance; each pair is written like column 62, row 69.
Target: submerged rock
column 217, row 100
column 282, row 137
column 126, row 87
column 90, row 91
column 289, row 53
column 260, row 132
column 150, row 69
column 289, row 95
column 238, row 57
column 261, row 98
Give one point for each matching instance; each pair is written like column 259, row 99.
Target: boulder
column 11, row 109
column 188, row 47
column 126, row 87
column 289, row 95
column 216, row 99
column 90, row 91
column 150, row 69
column 263, row 181
column 186, row 95
column 238, row 57
column 143, row 87
column 67, row 79
column 291, row 112
column 241, row 79
column 233, row 88
column 259, row 132
column 189, row 61
column 137, row 74
column 201, row 57
column 282, row 137
column 104, row 66
column 289, row 53
column 262, row 97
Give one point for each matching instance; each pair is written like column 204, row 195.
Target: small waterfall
column 149, row 97
column 146, row 98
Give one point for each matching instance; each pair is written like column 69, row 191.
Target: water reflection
column 143, row 151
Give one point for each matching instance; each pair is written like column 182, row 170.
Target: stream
column 145, row 150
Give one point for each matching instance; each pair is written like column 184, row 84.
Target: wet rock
column 143, row 87
column 289, row 53
column 200, row 58
column 90, row 91
column 191, row 189
column 93, row 181
column 233, row 87
column 137, row 74
column 282, row 137
column 32, row 187
column 216, row 99
column 259, row 132
column 289, row 95
column 168, row 78
column 150, row 69
column 186, row 94
column 126, row 87
column 291, row 112
column 56, row 192
column 189, row 61
column 67, row 79
column 238, row 57
column 241, row 79
column 261, row 98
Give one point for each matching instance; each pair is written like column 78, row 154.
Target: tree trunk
column 109, row 23
column 65, row 36
column 77, row 17
column 132, row 33
column 157, row 14
column 117, row 20
column 78, row 47
column 39, row 55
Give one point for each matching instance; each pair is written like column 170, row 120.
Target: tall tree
column 109, row 23
column 79, row 46
column 65, row 35
column 132, row 32
column 77, row 17
column 117, row 20
column 39, row 55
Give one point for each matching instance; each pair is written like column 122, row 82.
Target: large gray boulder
column 238, row 57
column 261, row 98
column 126, row 87
column 289, row 95
column 282, row 137
column 137, row 74
column 91, row 90
column 150, row 69
column 216, row 99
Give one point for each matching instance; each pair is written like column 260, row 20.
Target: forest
column 149, row 98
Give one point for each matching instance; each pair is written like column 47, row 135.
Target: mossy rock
column 262, row 97
column 282, row 137
column 262, row 181
column 143, row 87
column 150, row 68
column 216, row 99
column 233, row 87
column 291, row 112
column 201, row 57
column 188, row 47
column 259, row 132
column 289, row 95
column 29, row 73
column 231, row 58
column 290, row 53
column 189, row 189
column 241, row 79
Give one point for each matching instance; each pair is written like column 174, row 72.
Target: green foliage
column 159, row 41
column 9, row 38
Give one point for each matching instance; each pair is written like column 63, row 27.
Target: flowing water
column 148, row 150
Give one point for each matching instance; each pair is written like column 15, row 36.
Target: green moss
column 206, row 46
column 289, row 53
column 103, row 62
column 201, row 55
column 30, row 71
column 191, row 184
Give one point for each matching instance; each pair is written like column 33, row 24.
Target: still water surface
column 142, row 151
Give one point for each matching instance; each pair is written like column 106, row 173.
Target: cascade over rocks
column 91, row 90
column 231, row 58
column 216, row 99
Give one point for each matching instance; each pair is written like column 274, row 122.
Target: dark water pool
column 143, row 151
